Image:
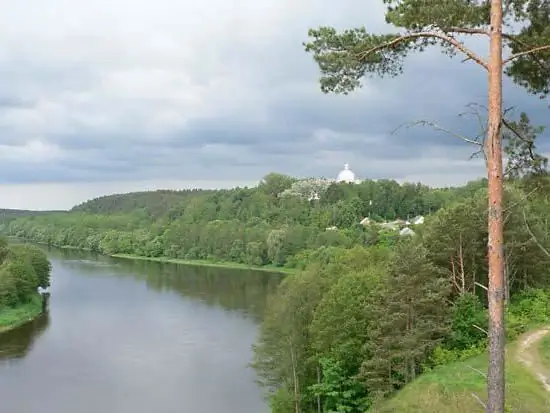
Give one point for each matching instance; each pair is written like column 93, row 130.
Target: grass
column 449, row 389
column 544, row 351
column 208, row 263
column 11, row 318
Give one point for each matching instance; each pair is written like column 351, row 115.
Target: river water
column 123, row 336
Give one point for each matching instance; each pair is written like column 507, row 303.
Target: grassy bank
column 207, row 263
column 544, row 349
column 451, row 389
column 14, row 317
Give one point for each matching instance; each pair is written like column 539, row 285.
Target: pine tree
column 345, row 58
column 412, row 314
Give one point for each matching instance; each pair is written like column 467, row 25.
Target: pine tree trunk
column 318, row 396
column 495, row 375
column 295, row 377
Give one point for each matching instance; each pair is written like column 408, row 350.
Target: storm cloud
column 113, row 93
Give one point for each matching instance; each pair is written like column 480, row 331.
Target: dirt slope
column 528, row 354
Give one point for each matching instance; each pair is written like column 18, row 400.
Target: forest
column 23, row 270
column 392, row 281
column 366, row 311
column 275, row 223
column 359, row 324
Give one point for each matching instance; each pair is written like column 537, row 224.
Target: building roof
column 346, row 175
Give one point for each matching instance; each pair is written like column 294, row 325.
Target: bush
column 469, row 319
column 532, row 307
column 23, row 269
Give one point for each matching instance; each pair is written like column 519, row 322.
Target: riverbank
column 199, row 263
column 206, row 263
column 14, row 317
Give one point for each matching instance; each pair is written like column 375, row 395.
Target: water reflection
column 232, row 289
column 16, row 344
column 135, row 336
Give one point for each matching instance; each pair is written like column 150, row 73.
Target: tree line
column 518, row 40
column 276, row 223
column 23, row 269
column 358, row 324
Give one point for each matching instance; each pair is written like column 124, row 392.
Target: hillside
column 160, row 202
column 4, row 212
column 451, row 388
column 8, row 215
column 275, row 223
column 155, row 203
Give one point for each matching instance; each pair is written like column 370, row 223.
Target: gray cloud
column 174, row 91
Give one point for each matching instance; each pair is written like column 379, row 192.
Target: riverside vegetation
column 23, row 269
column 366, row 312
column 516, row 33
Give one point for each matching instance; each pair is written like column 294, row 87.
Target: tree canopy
column 346, row 57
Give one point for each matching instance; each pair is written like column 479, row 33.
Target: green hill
column 416, row 198
column 155, row 203
column 8, row 215
column 453, row 388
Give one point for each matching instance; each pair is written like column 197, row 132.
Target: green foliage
column 529, row 71
column 369, row 312
column 532, row 306
column 365, row 322
column 282, row 401
column 266, row 225
column 469, row 322
column 345, row 58
column 449, row 389
column 23, row 269
column 339, row 392
column 443, row 355
column 544, row 350
column 37, row 259
column 520, row 149
column 12, row 317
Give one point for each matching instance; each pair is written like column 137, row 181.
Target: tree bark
column 318, row 396
column 295, row 376
column 495, row 374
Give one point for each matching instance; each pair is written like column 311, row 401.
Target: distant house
column 365, row 221
column 418, row 220
column 406, row 232
column 392, row 226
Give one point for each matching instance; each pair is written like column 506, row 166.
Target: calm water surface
column 126, row 336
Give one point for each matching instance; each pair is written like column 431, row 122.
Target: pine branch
column 481, row 329
column 525, row 53
column 543, row 249
column 475, row 396
column 442, row 36
column 442, row 129
column 541, row 63
column 481, row 286
column 529, row 142
column 477, row 371
column 464, row 30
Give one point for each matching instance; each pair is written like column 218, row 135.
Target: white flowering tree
column 309, row 188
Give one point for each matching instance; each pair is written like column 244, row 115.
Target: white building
column 347, row 175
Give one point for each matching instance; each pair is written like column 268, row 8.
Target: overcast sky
column 111, row 96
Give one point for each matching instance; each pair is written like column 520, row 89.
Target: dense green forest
column 276, row 223
column 23, row 269
column 370, row 311
column 370, row 307
column 8, row 215
column 359, row 324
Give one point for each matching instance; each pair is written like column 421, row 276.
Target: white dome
column 346, row 175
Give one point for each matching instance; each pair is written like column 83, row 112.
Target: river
column 123, row 336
